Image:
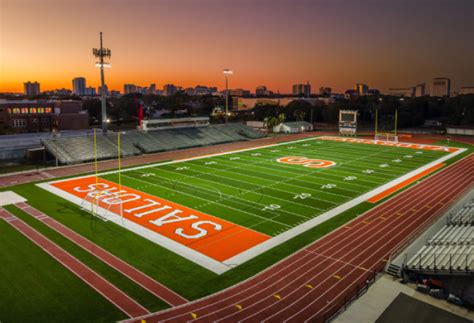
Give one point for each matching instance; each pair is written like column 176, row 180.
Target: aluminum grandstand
column 451, row 249
column 80, row 149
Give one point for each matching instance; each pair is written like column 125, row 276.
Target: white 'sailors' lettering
column 142, row 206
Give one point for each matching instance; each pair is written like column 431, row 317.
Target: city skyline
column 288, row 42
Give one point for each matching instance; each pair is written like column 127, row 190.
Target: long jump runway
column 314, row 283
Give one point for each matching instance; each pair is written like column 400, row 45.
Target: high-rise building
column 466, row 90
column 202, row 90
column 325, row 91
column 31, row 88
column 169, row 89
column 441, row 86
column 129, row 88
column 152, row 89
column 402, row 91
column 99, row 90
column 90, row 91
column 239, row 92
column 261, row 91
column 302, row 89
column 79, row 86
column 420, row 90
column 362, row 89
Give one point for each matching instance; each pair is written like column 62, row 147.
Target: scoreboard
column 348, row 122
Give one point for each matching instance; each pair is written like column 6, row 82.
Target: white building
column 293, row 127
column 420, row 90
column 90, row 91
column 466, row 90
column 302, row 89
column 79, row 86
column 402, row 91
column 31, row 88
column 441, row 86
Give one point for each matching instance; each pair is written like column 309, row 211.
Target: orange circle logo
column 306, row 162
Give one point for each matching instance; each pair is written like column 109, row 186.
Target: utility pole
column 227, row 72
column 102, row 53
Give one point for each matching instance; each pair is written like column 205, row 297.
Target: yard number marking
column 328, row 186
column 271, row 207
column 350, row 178
column 182, row 168
column 368, row 171
column 301, row 196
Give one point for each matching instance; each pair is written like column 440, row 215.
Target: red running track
column 90, row 277
column 314, row 283
column 121, row 266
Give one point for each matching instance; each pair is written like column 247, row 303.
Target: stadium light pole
column 227, row 72
column 102, row 54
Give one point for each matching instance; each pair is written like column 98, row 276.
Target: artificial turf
column 276, row 182
column 252, row 189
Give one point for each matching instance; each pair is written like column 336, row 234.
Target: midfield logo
column 306, row 162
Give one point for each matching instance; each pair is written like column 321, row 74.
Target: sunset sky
column 277, row 43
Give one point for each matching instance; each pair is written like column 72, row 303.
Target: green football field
column 234, row 189
column 252, row 189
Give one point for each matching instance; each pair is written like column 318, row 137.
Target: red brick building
column 41, row 116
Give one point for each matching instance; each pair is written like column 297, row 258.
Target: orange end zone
column 401, row 185
column 204, row 233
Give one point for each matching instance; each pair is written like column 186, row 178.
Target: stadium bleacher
column 451, row 249
column 80, row 149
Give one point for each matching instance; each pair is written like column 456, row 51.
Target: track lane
column 287, row 266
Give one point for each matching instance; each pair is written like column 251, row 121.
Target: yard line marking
column 249, row 191
column 206, row 200
column 235, row 196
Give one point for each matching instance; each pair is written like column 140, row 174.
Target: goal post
column 386, row 137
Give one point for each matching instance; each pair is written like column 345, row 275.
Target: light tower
column 102, row 54
column 227, row 72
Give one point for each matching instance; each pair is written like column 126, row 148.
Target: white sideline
column 212, row 264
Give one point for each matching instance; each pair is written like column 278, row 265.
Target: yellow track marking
column 194, row 315
column 309, row 286
column 337, row 277
column 238, row 306
column 277, row 296
column 347, row 227
column 366, row 222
